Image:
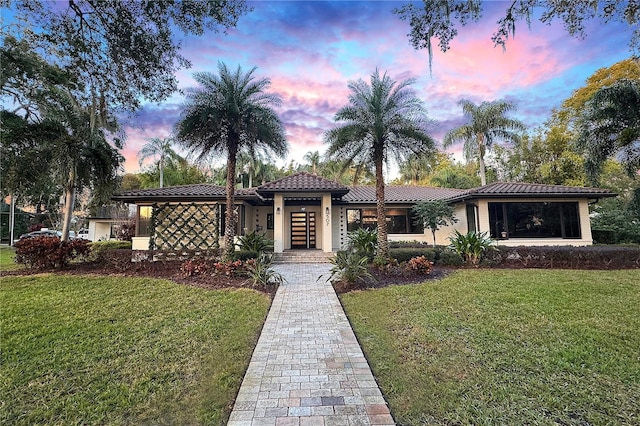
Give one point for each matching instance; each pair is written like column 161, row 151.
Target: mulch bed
column 169, row 270
column 400, row 276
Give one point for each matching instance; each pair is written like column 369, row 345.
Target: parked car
column 41, row 233
column 83, row 234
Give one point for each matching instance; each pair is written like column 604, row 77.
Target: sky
column 311, row 50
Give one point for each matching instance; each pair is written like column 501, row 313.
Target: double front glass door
column 303, row 230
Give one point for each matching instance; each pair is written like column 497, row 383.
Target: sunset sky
column 310, row 50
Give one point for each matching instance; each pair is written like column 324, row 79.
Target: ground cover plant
column 105, row 350
column 506, row 347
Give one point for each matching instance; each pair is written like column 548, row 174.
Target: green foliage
column 177, row 171
column 245, row 255
column 616, row 226
column 442, row 256
column 161, row 149
column 435, row 214
column 261, row 273
column 487, row 123
column 231, row 113
column 49, row 252
column 254, row 241
column 349, row 267
column 363, row 242
column 383, row 120
column 471, row 246
column 610, row 126
column 122, row 52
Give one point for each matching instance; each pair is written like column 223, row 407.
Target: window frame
column 509, row 219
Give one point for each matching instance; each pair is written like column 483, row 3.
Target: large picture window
column 534, row 220
column 399, row 221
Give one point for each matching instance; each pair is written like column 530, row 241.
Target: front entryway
column 303, row 230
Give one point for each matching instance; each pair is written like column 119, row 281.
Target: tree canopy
column 442, row 19
column 122, row 52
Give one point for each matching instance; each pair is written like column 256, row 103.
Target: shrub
column 49, row 253
column 349, row 267
column 98, row 248
column 363, row 241
column 228, row 268
column 406, row 254
column 471, row 246
column 260, row 272
column 193, row 267
column 448, row 257
column 126, row 231
column 254, row 242
column 547, row 257
column 245, row 255
column 420, row 265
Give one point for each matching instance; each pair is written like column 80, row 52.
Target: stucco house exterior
column 305, row 211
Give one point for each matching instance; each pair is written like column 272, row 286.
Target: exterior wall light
column 277, row 210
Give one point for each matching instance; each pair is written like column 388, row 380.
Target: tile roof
column 509, row 189
column 199, row 191
column 302, row 182
column 399, row 194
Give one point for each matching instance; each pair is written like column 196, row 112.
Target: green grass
column 506, row 347
column 100, row 350
column 8, row 258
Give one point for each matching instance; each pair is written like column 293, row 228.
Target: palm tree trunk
column 69, row 201
column 161, row 175
column 230, row 217
column 383, row 242
column 481, row 149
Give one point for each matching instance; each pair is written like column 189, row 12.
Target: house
column 305, row 211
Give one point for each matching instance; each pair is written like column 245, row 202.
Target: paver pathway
column 307, row 368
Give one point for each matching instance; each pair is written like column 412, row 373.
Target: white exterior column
column 327, row 229
column 278, row 223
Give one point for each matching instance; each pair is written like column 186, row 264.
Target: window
column 471, row 217
column 534, row 220
column 399, row 221
column 144, row 221
column 269, row 220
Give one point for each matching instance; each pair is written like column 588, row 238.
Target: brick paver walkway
column 308, row 368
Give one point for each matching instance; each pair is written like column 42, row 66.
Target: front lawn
column 506, row 347
column 8, row 258
column 115, row 350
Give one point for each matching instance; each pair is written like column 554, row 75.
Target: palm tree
column 156, row 147
column 313, row 158
column 487, row 122
column 229, row 114
column 610, row 127
column 382, row 120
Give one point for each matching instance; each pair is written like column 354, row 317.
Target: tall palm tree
column 383, row 119
column 157, row 147
column 313, row 158
column 231, row 113
column 487, row 122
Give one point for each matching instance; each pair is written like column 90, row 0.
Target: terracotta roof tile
column 399, row 194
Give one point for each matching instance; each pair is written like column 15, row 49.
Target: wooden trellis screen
column 178, row 226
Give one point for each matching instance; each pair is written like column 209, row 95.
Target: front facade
column 308, row 212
